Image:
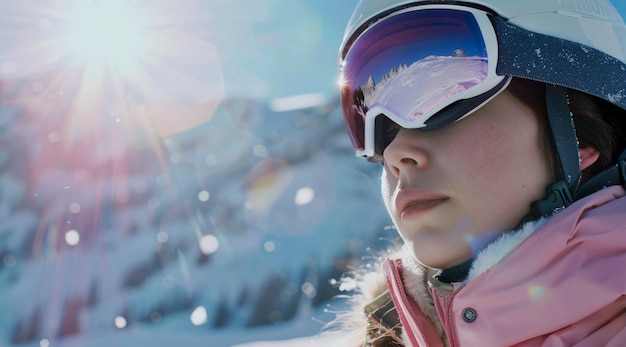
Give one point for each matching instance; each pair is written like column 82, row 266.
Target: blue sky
column 296, row 64
column 292, row 47
column 621, row 6
column 266, row 48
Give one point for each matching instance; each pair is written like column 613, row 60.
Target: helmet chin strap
column 565, row 191
column 560, row 194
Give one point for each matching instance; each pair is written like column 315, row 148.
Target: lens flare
column 199, row 316
column 209, row 244
column 266, row 183
column 341, row 82
column 120, row 322
column 72, row 237
column 537, row 293
column 304, row 196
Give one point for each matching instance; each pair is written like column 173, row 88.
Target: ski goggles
column 422, row 67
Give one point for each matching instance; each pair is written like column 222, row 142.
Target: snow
column 421, row 86
column 178, row 249
column 186, row 251
column 172, row 331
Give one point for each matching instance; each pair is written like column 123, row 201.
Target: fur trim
column 500, row 248
column 367, row 283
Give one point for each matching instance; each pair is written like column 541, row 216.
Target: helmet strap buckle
column 557, row 198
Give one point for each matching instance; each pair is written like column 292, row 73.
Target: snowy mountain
column 112, row 235
column 417, row 89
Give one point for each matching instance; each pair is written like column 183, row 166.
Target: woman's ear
column 588, row 155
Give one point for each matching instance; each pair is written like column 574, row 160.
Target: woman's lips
column 413, row 203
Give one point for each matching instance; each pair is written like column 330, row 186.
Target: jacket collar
column 414, row 279
column 491, row 255
column 566, row 219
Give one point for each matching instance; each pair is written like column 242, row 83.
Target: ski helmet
column 573, row 44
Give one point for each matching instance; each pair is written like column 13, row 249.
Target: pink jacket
column 558, row 282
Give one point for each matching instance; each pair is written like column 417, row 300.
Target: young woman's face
column 451, row 190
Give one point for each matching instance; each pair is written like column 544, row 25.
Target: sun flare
column 148, row 62
column 111, row 33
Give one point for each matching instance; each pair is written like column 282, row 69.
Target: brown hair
column 592, row 124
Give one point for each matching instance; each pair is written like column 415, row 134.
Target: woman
column 500, row 127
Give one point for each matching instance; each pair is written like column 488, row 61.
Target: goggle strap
column 545, row 58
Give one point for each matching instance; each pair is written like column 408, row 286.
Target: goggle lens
column 411, row 65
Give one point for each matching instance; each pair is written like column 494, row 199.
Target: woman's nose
column 405, row 152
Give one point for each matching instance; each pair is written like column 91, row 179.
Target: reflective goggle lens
column 413, row 64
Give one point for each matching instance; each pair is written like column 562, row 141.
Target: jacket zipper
column 444, row 309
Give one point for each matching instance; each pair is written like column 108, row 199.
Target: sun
column 146, row 62
column 111, row 34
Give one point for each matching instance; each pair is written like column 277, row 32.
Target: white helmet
column 576, row 44
column 595, row 23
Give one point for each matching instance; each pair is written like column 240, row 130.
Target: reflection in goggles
column 412, row 65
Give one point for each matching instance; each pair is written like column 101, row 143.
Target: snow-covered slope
column 213, row 237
